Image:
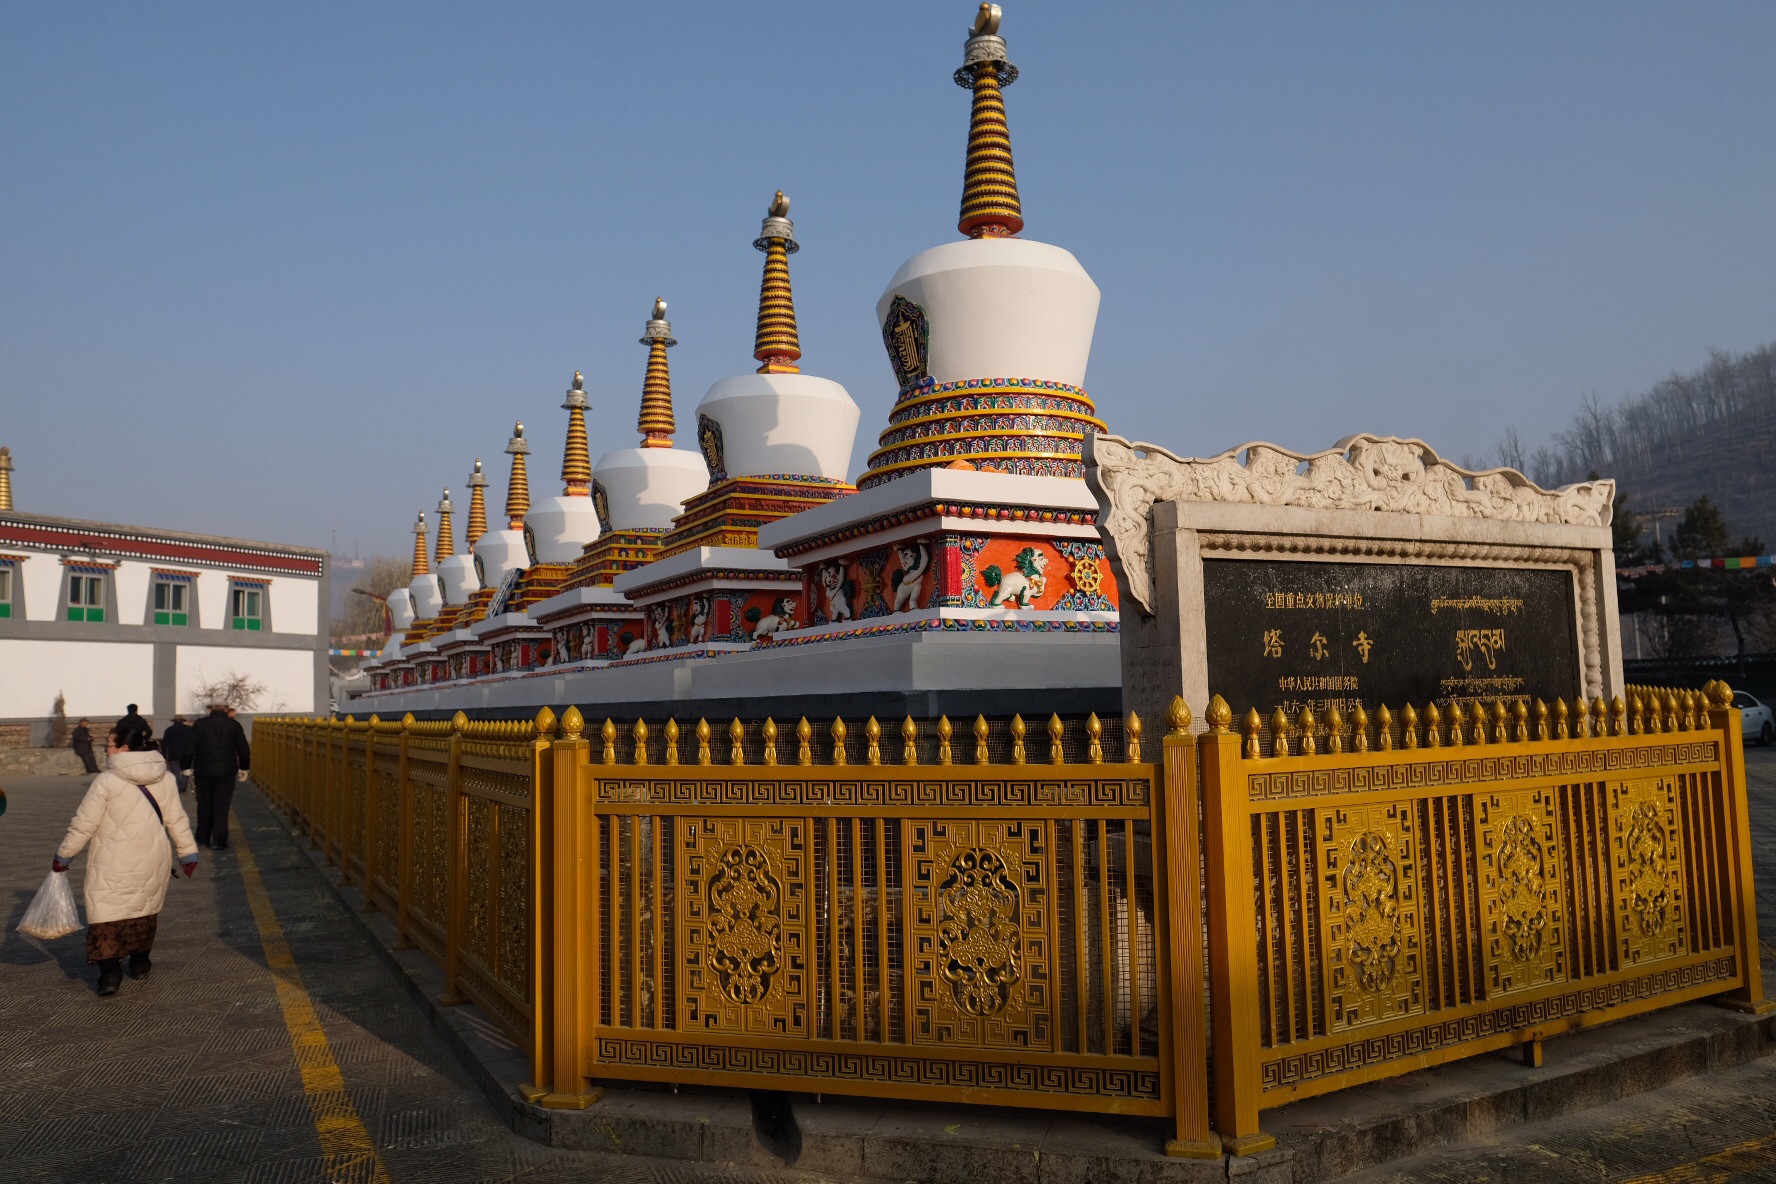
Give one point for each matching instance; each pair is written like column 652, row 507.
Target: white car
column 1755, row 717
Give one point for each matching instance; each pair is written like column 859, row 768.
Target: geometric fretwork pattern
column 1372, row 940
column 1520, row 879
column 979, row 933
column 743, row 889
column 1477, row 766
column 874, row 789
column 1137, row 1084
column 1646, row 866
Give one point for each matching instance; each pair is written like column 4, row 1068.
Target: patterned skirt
column 116, row 939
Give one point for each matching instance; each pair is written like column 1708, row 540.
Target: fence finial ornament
column 981, row 756
column 1178, row 715
column 545, row 723
column 703, row 757
column 909, row 741
column 770, row 734
column 1017, row 740
column 1408, row 727
column 573, row 724
column 1433, row 726
column 839, row 754
column 1056, row 731
column 608, row 734
column 458, row 722
column 804, row 749
column 1384, row 728
column 872, row 731
column 640, row 732
column 1132, row 742
column 944, row 732
column 1252, row 726
column 407, row 721
column 736, row 742
column 1359, row 729
column 671, row 734
column 1094, row 730
column 1279, row 733
column 1560, row 724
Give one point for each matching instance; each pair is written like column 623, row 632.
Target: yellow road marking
column 346, row 1149
column 1749, row 1156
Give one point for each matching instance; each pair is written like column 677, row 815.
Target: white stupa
column 456, row 573
column 644, row 488
column 988, row 337
column 557, row 529
column 499, row 553
column 777, row 422
column 428, row 597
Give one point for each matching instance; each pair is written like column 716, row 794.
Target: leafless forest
column 1712, row 431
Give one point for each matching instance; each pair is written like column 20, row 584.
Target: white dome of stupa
column 988, row 337
column 645, row 488
column 557, row 529
column 400, row 606
column 779, row 421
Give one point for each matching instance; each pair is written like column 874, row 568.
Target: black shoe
column 109, row 981
column 218, row 846
column 139, row 966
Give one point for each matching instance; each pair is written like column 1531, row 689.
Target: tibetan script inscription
column 1294, row 634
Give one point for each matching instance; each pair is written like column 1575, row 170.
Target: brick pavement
column 190, row 1075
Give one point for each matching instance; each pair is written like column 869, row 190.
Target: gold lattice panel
column 1645, row 868
column 979, row 933
column 1520, row 880
column 1371, row 928
column 744, row 924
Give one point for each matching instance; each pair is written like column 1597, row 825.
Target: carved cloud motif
column 1383, row 473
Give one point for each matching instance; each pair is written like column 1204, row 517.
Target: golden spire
column 446, row 546
column 518, row 485
column 5, row 478
column 776, row 346
column 990, row 206
column 477, row 505
column 655, row 424
column 421, row 565
column 576, row 459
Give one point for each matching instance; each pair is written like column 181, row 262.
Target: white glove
column 240, row 775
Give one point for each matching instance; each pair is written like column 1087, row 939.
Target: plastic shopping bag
column 53, row 912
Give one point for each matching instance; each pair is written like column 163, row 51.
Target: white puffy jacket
column 128, row 869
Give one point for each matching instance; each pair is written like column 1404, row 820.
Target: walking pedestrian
column 127, row 814
column 81, row 741
column 175, row 746
column 219, row 758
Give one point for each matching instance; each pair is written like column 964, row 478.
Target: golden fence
column 1451, row 885
column 994, row 915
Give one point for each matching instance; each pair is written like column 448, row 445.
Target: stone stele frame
column 1370, row 499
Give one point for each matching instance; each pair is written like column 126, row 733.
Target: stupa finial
column 422, row 565
column 990, row 207
column 446, row 545
column 576, row 458
column 5, row 478
column 518, row 484
column 777, row 346
column 477, row 505
column 655, row 422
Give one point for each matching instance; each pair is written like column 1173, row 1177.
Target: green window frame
column 5, row 590
column 246, row 608
column 172, row 602
column 86, row 597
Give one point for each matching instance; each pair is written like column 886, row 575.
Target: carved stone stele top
column 1382, row 473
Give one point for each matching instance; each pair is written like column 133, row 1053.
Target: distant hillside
column 1710, row 432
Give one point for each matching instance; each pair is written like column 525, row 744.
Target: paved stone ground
column 190, row 1075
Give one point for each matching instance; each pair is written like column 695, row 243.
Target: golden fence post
column 456, row 871
column 371, row 816
column 542, row 905
column 1725, row 719
column 404, row 843
column 344, row 815
column 1233, row 956
column 575, row 924
column 1180, row 888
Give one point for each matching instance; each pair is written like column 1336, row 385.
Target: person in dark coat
column 131, row 723
column 219, row 757
column 175, row 746
column 81, row 741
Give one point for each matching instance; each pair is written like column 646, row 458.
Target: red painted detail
column 53, row 538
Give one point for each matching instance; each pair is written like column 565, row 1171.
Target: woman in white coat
column 127, row 814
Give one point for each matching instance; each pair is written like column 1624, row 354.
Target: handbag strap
column 153, row 803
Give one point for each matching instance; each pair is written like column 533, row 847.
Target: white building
column 106, row 615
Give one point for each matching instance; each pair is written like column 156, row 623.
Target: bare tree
column 230, row 689
column 365, row 615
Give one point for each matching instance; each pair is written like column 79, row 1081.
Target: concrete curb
column 1318, row 1139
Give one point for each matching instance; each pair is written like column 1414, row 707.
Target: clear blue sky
column 285, row 270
